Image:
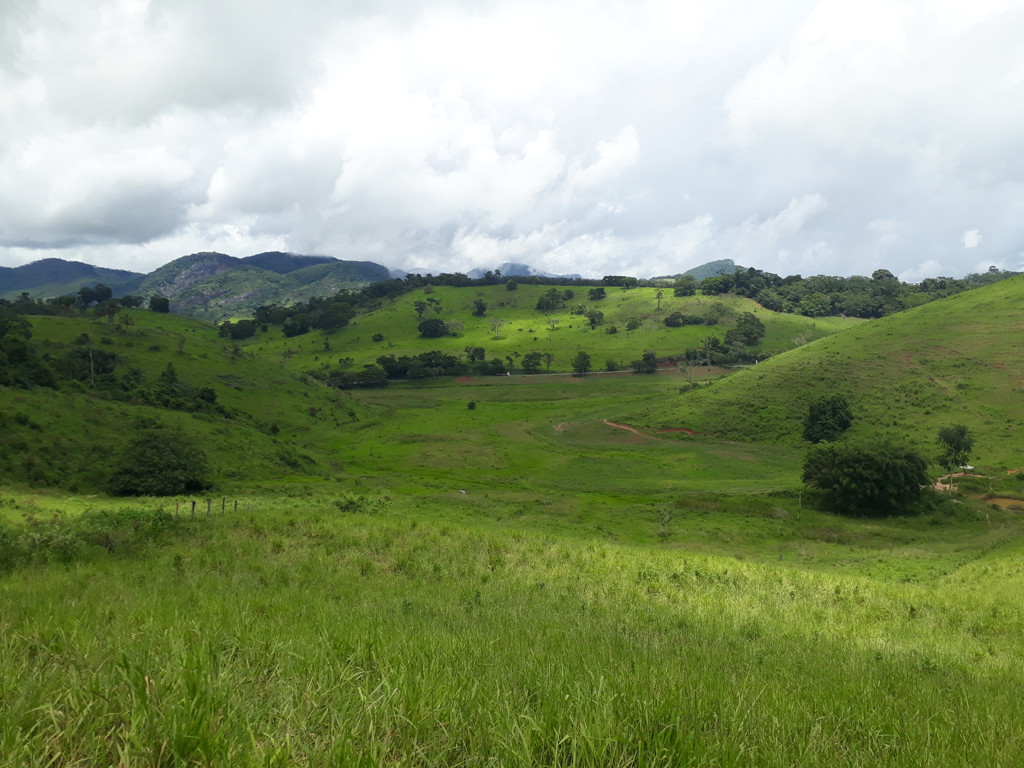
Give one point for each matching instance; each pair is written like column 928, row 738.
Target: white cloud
column 808, row 135
column 927, row 268
column 972, row 239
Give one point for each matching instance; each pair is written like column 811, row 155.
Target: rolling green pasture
column 413, row 581
column 545, row 435
column 954, row 361
column 528, row 330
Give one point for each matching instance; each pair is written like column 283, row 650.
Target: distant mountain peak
column 282, row 262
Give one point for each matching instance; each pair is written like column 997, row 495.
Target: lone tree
column 956, row 443
column 496, row 324
column 875, row 480
column 581, row 363
column 479, row 307
column 433, row 328
column 532, row 361
column 159, row 462
column 827, row 418
column 748, row 330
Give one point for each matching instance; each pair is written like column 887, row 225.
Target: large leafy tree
column 748, row 330
column 159, row 462
column 876, row 480
column 433, row 328
column 532, row 361
column 581, row 363
column 827, row 418
column 684, row 286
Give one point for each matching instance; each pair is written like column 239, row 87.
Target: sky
column 577, row 136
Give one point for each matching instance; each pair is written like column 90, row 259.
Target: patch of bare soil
column 633, row 430
column 1006, row 503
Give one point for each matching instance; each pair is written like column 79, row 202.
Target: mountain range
column 211, row 286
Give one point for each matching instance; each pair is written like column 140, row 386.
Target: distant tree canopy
column 532, row 361
column 749, row 330
column 827, row 418
column 679, row 319
column 875, row 480
column 19, row 364
column 159, row 304
column 684, row 286
column 712, row 286
column 581, row 363
column 647, row 364
column 159, row 462
column 552, row 298
column 433, row 328
column 243, row 329
column 620, row 280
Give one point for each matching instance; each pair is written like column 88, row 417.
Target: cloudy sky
column 589, row 136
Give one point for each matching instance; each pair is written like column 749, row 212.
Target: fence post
column 209, row 503
column 236, row 505
column 193, row 510
column 177, row 503
column 223, row 503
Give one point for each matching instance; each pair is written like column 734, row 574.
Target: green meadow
column 517, row 570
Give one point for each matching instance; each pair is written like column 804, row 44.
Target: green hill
column 632, row 323
column 953, row 361
column 47, row 278
column 710, row 269
column 266, row 424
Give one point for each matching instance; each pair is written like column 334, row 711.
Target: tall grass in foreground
column 326, row 637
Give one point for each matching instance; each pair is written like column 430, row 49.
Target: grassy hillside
column 527, row 330
column 67, row 438
column 954, row 361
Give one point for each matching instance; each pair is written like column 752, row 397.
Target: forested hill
column 56, row 277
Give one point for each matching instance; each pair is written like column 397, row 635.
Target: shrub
column 159, row 462
column 433, row 328
column 827, row 418
column 875, row 480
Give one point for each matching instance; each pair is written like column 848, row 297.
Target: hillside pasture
column 953, row 361
column 527, row 329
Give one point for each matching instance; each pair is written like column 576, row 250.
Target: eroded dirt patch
column 1006, row 503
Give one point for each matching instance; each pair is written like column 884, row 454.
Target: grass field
column 524, row 570
column 390, row 630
